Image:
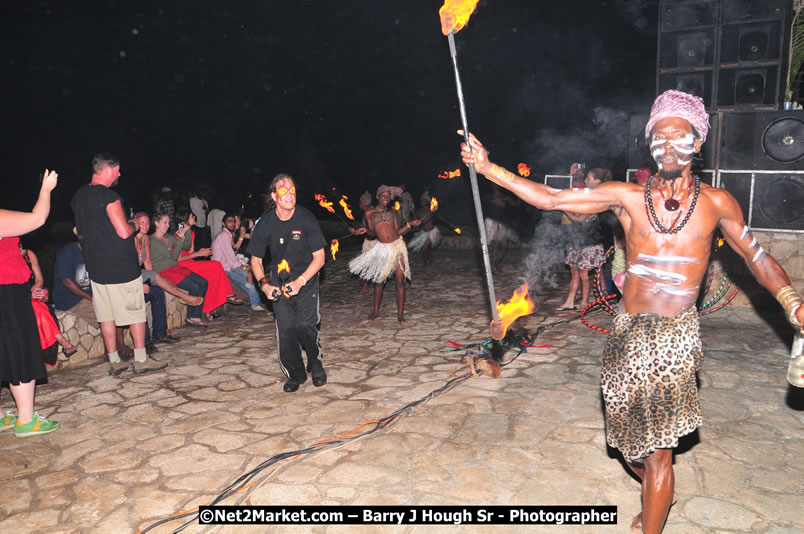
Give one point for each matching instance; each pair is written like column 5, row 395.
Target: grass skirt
column 380, row 261
column 417, row 243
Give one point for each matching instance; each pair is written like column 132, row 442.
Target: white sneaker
column 257, row 308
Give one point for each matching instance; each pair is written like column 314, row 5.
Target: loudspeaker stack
column 733, row 54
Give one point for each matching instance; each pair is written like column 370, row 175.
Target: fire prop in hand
column 449, row 175
column 397, row 206
column 455, row 14
column 523, row 170
column 433, row 204
column 346, row 210
column 324, row 203
column 283, row 270
column 333, row 248
column 457, row 230
column 519, row 305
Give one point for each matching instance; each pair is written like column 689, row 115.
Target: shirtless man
column 389, row 255
column 652, row 398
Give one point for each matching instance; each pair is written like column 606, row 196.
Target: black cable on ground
column 513, row 341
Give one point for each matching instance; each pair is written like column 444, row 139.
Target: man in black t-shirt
column 107, row 241
column 293, row 237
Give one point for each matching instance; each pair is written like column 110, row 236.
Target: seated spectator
column 72, row 291
column 49, row 330
column 164, row 252
column 223, row 252
column 157, row 282
column 220, row 290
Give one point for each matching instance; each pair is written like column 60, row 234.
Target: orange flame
column 720, row 243
column 448, row 175
column 433, row 204
column 283, row 266
column 322, row 201
column 397, row 205
column 333, row 248
column 519, row 305
column 523, row 169
column 455, row 14
column 345, row 207
column 457, row 230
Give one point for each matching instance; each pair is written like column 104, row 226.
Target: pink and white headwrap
column 674, row 103
column 394, row 190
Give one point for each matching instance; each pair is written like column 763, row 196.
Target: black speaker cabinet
column 731, row 53
column 767, row 140
column 639, row 151
column 768, row 200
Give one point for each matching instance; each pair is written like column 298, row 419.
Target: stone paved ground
column 135, row 450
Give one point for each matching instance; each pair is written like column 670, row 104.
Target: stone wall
column 87, row 337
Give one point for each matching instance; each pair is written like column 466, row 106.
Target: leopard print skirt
column 648, row 378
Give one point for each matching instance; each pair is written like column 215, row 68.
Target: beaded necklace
column 652, row 211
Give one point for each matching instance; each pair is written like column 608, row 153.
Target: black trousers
column 297, row 321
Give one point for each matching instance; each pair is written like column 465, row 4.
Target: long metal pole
column 473, row 179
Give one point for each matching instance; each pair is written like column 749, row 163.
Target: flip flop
column 234, row 301
column 188, row 322
column 190, row 303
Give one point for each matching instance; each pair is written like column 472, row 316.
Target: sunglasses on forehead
column 282, row 191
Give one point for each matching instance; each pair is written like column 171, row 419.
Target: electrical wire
column 245, row 481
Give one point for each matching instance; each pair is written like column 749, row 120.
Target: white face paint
column 683, row 146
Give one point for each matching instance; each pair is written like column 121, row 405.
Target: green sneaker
column 38, row 425
column 7, row 421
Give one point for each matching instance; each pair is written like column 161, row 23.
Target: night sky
column 346, row 94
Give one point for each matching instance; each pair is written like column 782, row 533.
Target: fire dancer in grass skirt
column 653, row 351
column 389, row 256
column 430, row 236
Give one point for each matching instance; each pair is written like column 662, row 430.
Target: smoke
column 596, row 143
column 547, row 251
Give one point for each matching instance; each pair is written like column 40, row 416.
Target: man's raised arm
column 763, row 266
column 585, row 201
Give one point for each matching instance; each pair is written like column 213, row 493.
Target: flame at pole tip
column 519, row 305
column 333, row 248
column 283, row 266
column 433, row 204
column 346, row 210
column 322, row 201
column 455, row 14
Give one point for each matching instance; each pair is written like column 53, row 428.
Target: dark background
column 348, row 94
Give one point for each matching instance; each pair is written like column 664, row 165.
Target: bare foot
column 363, row 290
column 636, row 524
column 373, row 316
column 192, row 301
column 401, row 319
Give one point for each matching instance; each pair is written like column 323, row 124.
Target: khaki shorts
column 122, row 303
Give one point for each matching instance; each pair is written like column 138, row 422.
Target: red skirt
column 48, row 329
column 175, row 274
column 219, row 286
